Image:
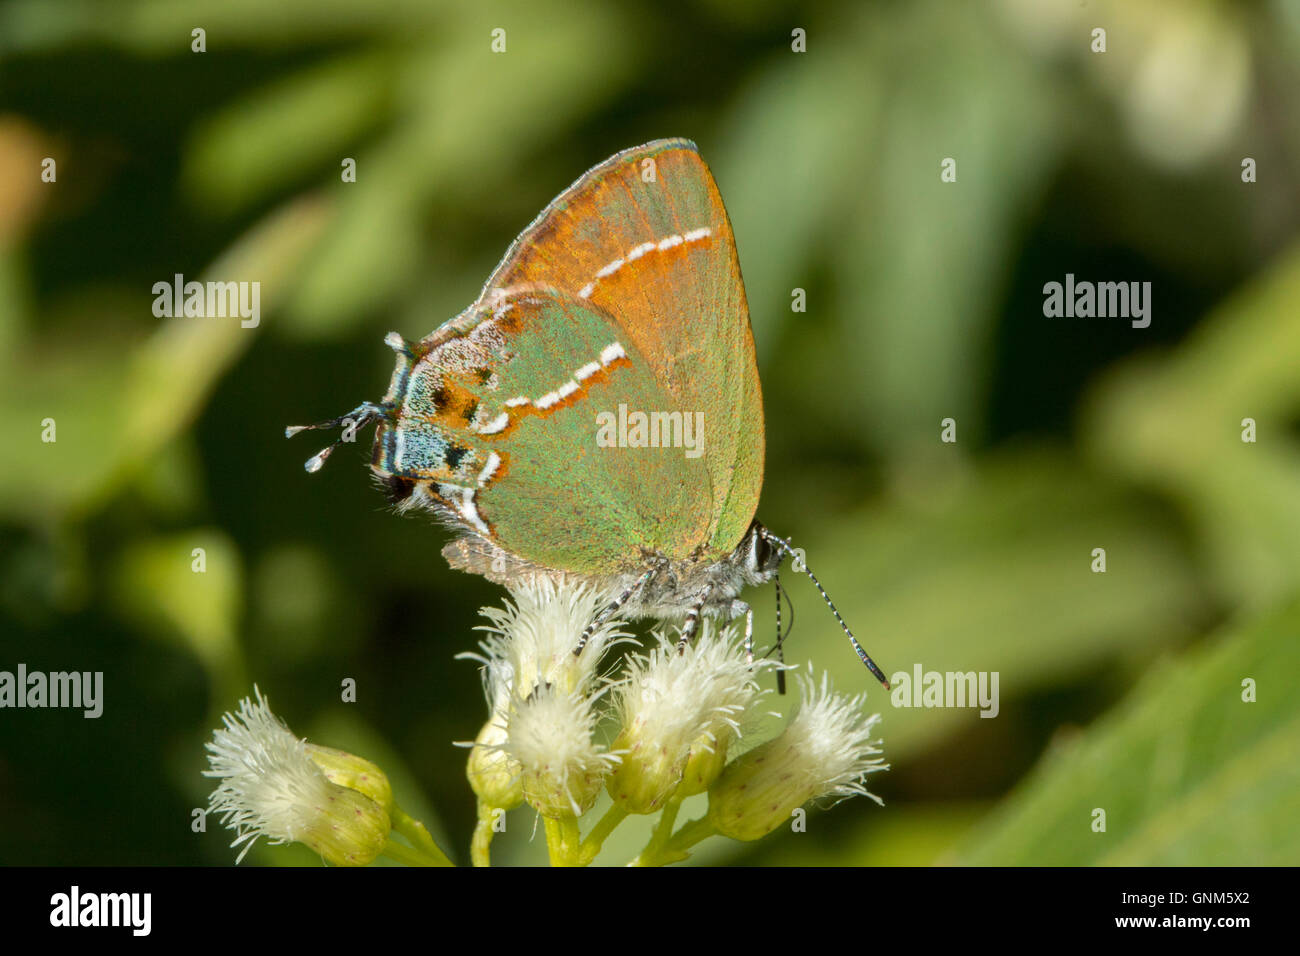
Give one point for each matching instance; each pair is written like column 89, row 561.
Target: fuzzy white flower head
column 550, row 735
column 680, row 712
column 827, row 750
column 272, row 787
column 535, row 634
column 530, row 645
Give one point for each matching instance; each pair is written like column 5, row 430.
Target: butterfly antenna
column 797, row 560
column 361, row 415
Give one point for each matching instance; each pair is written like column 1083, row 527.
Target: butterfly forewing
column 644, row 238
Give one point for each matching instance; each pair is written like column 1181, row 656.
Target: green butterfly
column 624, row 294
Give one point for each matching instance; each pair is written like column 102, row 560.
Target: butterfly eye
column 398, row 488
column 763, row 558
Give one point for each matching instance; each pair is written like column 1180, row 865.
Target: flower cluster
column 680, row 718
column 682, row 712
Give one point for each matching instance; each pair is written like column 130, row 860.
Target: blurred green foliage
column 1119, row 690
column 1185, row 773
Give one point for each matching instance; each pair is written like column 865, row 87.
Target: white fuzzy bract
column 830, row 739
column 550, row 734
column 826, row 750
column 675, row 699
column 531, row 640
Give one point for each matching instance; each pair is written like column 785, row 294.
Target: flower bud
column 355, row 773
column 533, row 638
column 496, row 778
column 347, row 828
column 706, row 762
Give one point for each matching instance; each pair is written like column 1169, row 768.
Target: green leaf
column 785, row 132
column 517, row 102
column 1176, row 423
column 162, row 27
column 1186, row 770
column 922, row 260
column 892, row 835
column 117, row 406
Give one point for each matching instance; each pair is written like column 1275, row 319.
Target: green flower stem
column 678, row 848
column 600, row 833
column 416, row 832
column 562, row 839
column 661, row 851
column 653, row 852
column 481, row 843
column 409, row 856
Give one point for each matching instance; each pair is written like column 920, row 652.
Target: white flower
column 680, row 712
column 550, row 735
column 835, row 738
column 827, row 750
column 534, row 637
column 271, row 787
column 530, row 645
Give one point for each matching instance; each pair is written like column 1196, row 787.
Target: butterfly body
column 656, row 585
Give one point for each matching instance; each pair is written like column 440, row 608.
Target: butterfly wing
column 502, row 418
column 644, row 238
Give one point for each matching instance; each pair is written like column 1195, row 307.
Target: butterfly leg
column 780, row 640
column 749, row 635
column 738, row 608
column 693, row 620
column 610, row 608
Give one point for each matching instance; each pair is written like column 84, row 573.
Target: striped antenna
column 784, row 546
column 361, row 415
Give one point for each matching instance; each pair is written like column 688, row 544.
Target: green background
column 1120, row 691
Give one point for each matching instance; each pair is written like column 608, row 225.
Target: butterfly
column 621, row 304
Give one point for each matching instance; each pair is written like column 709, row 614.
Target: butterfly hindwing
column 504, row 415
